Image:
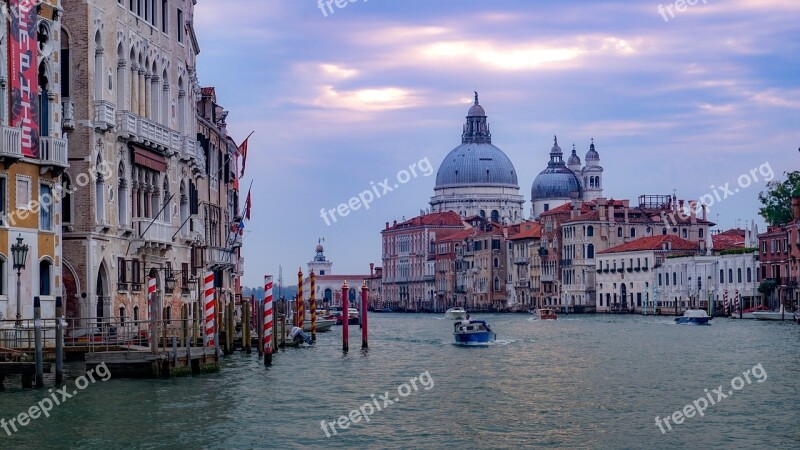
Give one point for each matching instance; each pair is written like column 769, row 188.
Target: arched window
column 685, row 233
column 590, row 231
column 730, row 275
column 590, row 251
column 99, row 194
column 165, row 196
column 721, row 276
column 496, row 284
column 122, row 196
column 674, row 278
column 181, row 105
column 45, row 277
column 184, row 201
column 98, row 67
column 495, row 216
column 165, row 99
column 749, row 275
column 483, row 214
column 135, row 313
column 122, row 66
column 496, row 262
column 66, row 65
column 633, row 232
column 121, row 315
column 619, row 231
column 664, row 231
column 44, row 101
column 700, row 233
column 739, row 275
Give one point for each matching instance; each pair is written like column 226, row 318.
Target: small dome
column 319, row 248
column 592, row 154
column 574, row 159
column 476, row 110
column 555, row 183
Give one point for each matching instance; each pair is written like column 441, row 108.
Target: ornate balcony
column 68, row 114
column 522, row 283
column 11, row 144
column 126, row 124
column 53, row 151
column 219, row 258
column 159, row 233
column 147, row 132
column 522, row 260
column 104, row 115
column 547, row 278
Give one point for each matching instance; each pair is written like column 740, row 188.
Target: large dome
column 476, row 164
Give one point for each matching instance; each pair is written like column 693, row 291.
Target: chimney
column 693, row 211
column 371, row 269
column 601, row 208
column 387, row 225
column 705, row 213
column 611, row 211
column 626, row 205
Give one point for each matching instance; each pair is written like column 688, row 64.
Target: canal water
column 579, row 382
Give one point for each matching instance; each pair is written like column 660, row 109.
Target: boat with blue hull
column 694, row 317
column 472, row 332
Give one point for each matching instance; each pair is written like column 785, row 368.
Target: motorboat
column 694, row 317
column 473, row 332
column 548, row 314
column 457, row 313
column 748, row 313
column 782, row 314
column 323, row 325
column 352, row 314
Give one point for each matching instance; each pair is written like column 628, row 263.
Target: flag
column 235, row 173
column 243, row 151
column 247, row 205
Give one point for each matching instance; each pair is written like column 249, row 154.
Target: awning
column 149, row 159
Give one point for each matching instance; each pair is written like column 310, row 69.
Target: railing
column 189, row 149
column 566, row 262
column 522, row 260
column 11, row 145
column 126, row 123
column 154, row 133
column 219, row 257
column 197, row 230
column 157, row 232
column 428, row 277
column 53, row 151
column 547, row 278
column 68, row 114
column 100, row 334
column 522, row 283
column 105, row 114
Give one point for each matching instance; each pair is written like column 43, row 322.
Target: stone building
column 33, row 150
column 329, row 285
column 408, row 276
column 167, row 208
column 525, row 263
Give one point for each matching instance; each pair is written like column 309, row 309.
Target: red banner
column 23, row 74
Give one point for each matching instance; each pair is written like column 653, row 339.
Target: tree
column 777, row 199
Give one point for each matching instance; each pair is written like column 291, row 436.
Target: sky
column 700, row 100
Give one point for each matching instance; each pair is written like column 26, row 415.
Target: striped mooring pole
column 345, row 319
column 210, row 313
column 268, row 320
column 151, row 317
column 313, row 306
column 301, row 315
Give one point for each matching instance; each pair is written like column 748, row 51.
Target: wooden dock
column 139, row 362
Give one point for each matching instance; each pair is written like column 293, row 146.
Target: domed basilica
column 477, row 178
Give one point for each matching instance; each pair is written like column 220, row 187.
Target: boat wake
column 501, row 342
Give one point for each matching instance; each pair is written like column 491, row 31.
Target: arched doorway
column 328, row 296
column 69, row 294
column 102, row 291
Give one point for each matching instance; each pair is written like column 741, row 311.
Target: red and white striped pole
column 151, row 292
column 210, row 313
column 267, row 320
column 345, row 319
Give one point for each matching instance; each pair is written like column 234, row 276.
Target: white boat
column 774, row 315
column 693, row 317
column 748, row 313
column 457, row 313
column 323, row 325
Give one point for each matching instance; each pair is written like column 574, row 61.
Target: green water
column 579, row 382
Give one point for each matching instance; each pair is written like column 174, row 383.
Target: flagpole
column 245, row 140
column 245, row 206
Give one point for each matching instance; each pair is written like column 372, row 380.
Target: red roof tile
column 535, row 231
column 448, row 218
column 653, row 243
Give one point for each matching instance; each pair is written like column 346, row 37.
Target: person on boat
column 467, row 316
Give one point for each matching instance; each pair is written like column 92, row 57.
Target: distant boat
column 748, row 313
column 773, row 315
column 547, row 314
column 456, row 314
column 473, row 332
column 693, row 317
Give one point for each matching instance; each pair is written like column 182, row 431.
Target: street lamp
column 19, row 253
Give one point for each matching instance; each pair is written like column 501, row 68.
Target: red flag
column 236, row 171
column 243, row 151
column 247, row 205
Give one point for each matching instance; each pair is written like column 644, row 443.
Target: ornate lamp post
column 19, row 253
